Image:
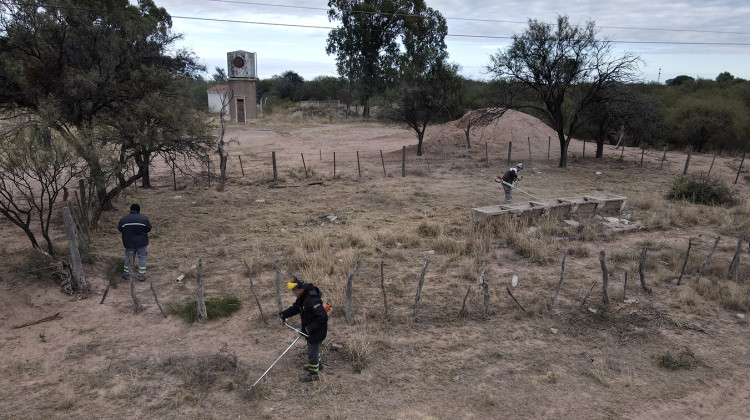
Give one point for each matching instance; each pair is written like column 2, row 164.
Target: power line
column 451, row 35
column 482, row 20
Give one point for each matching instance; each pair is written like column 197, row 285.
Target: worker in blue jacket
column 135, row 228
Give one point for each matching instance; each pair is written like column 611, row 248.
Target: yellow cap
column 292, row 284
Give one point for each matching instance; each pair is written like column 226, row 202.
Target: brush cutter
column 300, row 334
column 514, row 187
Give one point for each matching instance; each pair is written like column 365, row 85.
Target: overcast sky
column 683, row 25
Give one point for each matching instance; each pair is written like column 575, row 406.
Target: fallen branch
column 419, row 290
column 49, row 318
column 605, row 275
column 105, row 292
column 687, row 254
column 182, row 276
column 463, row 305
column 641, row 265
column 587, row 295
column 156, row 298
column 507, row 289
column 705, row 262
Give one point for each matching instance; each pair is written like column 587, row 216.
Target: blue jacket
column 135, row 228
column 314, row 316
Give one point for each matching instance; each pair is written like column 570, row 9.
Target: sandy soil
column 100, row 360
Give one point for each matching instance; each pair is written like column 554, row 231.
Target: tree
column 563, row 68
column 680, row 80
column 428, row 85
column 220, row 76
column 708, row 122
column 97, row 66
column 366, row 43
column 35, row 167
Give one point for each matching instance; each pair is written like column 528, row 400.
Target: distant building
column 216, row 94
column 242, row 71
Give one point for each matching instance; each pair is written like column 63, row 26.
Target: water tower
column 242, row 90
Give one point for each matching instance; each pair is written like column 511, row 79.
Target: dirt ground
column 575, row 360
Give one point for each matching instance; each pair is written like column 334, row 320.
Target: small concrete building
column 216, row 95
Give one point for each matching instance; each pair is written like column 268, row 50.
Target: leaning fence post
column 736, row 260
column 559, row 284
column 510, row 147
column 605, row 276
column 712, row 162
column 687, row 255
column 382, row 287
column 549, row 145
column 529, row 139
column 202, row 314
column 663, row 158
column 485, row 292
column 641, row 266
column 303, row 164
column 242, row 168
column 705, row 262
column 687, row 161
column 643, row 151
column 348, row 308
column 739, row 171
column 75, row 256
column 383, row 162
column 419, row 291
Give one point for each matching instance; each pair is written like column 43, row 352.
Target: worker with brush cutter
column 509, row 180
column 314, row 316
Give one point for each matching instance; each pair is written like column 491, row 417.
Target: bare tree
column 558, row 71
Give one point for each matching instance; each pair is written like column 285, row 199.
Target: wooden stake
column 507, row 289
column 712, row 162
column 559, row 285
column 242, row 168
column 705, row 262
column 303, row 164
column 549, row 145
column 584, row 148
column 252, row 290
column 687, row 255
column 529, row 139
column 47, row 319
column 663, row 158
column 334, row 164
column 273, row 159
column 463, row 305
column 156, row 298
column 605, row 275
column 585, row 298
column 202, row 314
column 359, row 168
column 739, row 171
column 174, row 176
column 278, row 286
column 382, row 287
column 510, row 149
column 736, row 260
column 687, row 161
column 75, row 256
column 105, row 292
column 485, row 292
column 403, row 162
column 349, row 281
column 643, row 151
column 383, row 162
column 641, row 266
column 625, row 287
column 419, row 291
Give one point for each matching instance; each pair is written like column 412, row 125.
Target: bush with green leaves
column 215, row 308
column 702, row 188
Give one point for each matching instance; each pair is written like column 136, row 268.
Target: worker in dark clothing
column 135, row 228
column 509, row 180
column 312, row 310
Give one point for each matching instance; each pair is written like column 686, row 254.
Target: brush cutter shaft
column 298, row 331
column 513, row 186
column 277, row 360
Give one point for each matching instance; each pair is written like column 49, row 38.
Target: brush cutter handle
column 298, row 331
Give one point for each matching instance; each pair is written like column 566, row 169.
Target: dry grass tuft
column 359, row 349
column 533, row 245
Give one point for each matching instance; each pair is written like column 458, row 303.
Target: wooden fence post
column 643, row 151
column 687, row 255
column 705, row 262
column 403, row 162
column 382, row 287
column 605, row 276
column 156, row 299
column 383, row 162
column 736, row 260
column 529, row 139
column 75, row 255
column 584, row 148
column 419, row 291
column 712, row 162
column 252, row 290
column 739, row 171
column 687, row 161
column 663, row 158
column 559, row 284
column 242, row 168
column 334, row 164
column 349, row 280
column 304, row 165
column 641, row 266
column 278, row 286
column 202, row 314
column 359, row 168
column 549, row 145
column 273, row 158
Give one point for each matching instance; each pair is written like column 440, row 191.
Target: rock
column 430, row 252
column 177, row 197
column 260, row 201
column 593, row 310
column 331, row 218
column 674, row 281
column 612, row 219
column 283, row 230
column 630, row 301
column 598, row 173
column 532, row 229
column 514, row 281
column 664, row 263
column 555, row 330
column 571, row 223
column 598, row 218
column 741, row 316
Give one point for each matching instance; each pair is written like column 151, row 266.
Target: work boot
column 310, row 377
column 313, row 368
column 142, row 278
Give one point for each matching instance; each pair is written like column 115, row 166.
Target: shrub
column 702, row 188
column 684, row 360
column 215, row 308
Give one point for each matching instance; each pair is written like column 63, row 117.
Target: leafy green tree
column 366, row 43
column 564, row 68
column 709, row 122
column 680, row 80
column 96, row 64
column 428, row 85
